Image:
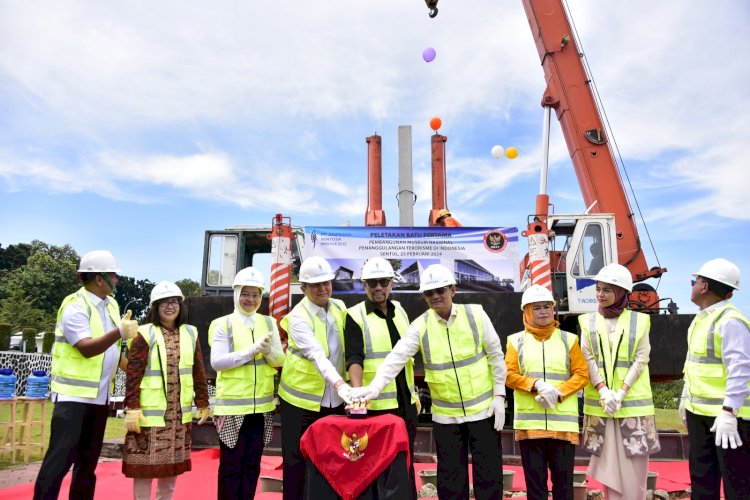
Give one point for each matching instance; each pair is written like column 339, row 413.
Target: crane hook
column 432, row 5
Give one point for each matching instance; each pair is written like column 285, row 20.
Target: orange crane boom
column 569, row 93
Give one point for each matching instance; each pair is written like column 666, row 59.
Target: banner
column 482, row 258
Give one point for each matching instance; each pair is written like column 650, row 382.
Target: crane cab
column 580, row 245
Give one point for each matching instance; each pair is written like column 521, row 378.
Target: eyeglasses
column 383, row 282
column 439, row 291
column 170, row 303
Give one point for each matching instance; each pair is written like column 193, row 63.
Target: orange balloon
column 435, row 123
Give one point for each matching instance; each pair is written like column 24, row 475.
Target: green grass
column 115, row 429
column 665, row 420
column 669, row 420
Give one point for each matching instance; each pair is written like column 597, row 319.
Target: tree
column 134, row 295
column 48, row 277
column 65, row 252
column 14, row 256
column 21, row 311
column 395, row 264
column 189, row 288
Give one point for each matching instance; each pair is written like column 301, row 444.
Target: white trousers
column 164, row 488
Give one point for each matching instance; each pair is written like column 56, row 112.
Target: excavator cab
column 228, row 251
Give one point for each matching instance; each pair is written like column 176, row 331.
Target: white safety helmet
column 615, row 274
column 249, row 277
column 315, row 270
column 164, row 290
column 720, row 270
column 377, row 267
column 436, row 276
column 98, row 261
column 536, row 293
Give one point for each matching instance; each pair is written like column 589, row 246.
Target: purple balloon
column 428, row 54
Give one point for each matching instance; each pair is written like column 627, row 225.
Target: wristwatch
column 731, row 410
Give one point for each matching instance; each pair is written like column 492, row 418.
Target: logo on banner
column 354, row 447
column 495, row 241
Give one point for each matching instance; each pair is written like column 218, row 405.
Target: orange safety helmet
column 443, row 212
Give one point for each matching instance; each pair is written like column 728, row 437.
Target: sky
column 137, row 126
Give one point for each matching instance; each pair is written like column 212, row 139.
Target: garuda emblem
column 354, row 446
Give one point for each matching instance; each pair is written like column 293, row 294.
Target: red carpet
column 200, row 483
column 673, row 476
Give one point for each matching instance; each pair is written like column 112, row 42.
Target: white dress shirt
column 331, row 368
column 224, row 359
column 735, row 354
column 76, row 327
column 408, row 346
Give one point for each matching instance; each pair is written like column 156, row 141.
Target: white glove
column 548, row 392
column 365, row 393
column 128, row 327
column 619, row 395
column 543, row 402
column 683, row 412
column 608, row 401
column 345, row 393
column 497, row 408
column 725, row 427
column 262, row 346
column 681, row 409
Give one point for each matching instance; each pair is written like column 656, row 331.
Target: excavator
column 565, row 251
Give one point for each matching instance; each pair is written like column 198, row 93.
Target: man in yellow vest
column 715, row 404
column 373, row 327
column 313, row 381
column 465, row 370
column 85, row 356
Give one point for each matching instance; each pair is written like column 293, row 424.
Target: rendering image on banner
column 482, row 258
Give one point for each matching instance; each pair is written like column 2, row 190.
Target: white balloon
column 497, row 151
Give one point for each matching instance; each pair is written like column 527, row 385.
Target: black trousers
column 538, row 455
column 453, row 443
column 76, row 439
column 239, row 467
column 709, row 464
column 294, row 423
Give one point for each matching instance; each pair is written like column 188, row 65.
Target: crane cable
column 619, row 161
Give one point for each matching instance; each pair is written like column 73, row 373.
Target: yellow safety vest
column 632, row 327
column 455, row 364
column 548, row 361
column 301, row 383
column 705, row 373
column 154, row 383
column 73, row 374
column 377, row 342
column 247, row 388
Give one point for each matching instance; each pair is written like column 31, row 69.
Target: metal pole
column 545, row 150
column 406, row 197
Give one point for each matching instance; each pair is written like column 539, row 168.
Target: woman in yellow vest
column 546, row 369
column 165, row 373
column 245, row 351
column 619, row 426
